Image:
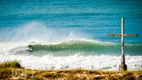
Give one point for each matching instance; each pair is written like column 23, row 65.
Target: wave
column 43, row 55
column 88, row 46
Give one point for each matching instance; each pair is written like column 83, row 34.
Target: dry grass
column 16, row 72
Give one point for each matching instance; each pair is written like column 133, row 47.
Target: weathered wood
column 122, row 43
column 130, row 34
column 114, row 34
column 123, row 35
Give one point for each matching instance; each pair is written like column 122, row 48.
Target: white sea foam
column 95, row 62
column 7, row 46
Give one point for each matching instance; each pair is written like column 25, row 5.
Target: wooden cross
column 122, row 66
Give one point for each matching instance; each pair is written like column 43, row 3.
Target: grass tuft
column 10, row 64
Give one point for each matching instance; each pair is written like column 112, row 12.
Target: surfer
column 30, row 47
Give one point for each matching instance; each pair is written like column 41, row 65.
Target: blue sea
column 70, row 34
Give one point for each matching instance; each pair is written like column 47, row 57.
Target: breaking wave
column 86, row 47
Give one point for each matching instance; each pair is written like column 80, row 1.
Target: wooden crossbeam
column 123, row 34
column 122, row 66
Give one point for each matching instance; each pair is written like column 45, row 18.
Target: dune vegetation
column 13, row 70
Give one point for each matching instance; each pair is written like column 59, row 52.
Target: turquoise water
column 69, row 27
column 96, row 18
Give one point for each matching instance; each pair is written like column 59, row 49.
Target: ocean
column 70, row 34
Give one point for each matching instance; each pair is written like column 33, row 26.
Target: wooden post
column 122, row 65
column 122, row 35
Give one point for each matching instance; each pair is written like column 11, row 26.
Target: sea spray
column 37, row 30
